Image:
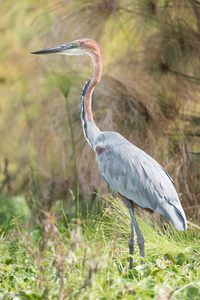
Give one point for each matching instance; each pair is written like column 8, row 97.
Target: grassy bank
column 87, row 258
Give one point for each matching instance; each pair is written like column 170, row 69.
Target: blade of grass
column 74, row 159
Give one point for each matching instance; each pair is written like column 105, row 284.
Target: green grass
column 87, row 258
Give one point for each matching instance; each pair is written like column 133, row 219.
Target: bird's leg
column 131, row 243
column 140, row 239
column 131, row 246
column 134, row 226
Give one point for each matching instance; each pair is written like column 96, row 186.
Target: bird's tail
column 178, row 219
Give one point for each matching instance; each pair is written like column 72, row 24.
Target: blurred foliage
column 149, row 91
column 12, row 209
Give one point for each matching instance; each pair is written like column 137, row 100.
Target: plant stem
column 74, row 159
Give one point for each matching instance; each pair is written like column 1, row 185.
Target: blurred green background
column 149, row 92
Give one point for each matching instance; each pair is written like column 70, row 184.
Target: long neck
column 91, row 131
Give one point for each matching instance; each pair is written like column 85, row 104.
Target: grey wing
column 137, row 176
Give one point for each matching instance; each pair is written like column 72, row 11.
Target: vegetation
column 59, row 238
column 149, row 91
column 88, row 259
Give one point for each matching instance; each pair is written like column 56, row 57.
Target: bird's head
column 77, row 47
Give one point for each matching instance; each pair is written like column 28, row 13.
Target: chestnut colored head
column 77, row 47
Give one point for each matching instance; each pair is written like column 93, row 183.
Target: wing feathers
column 137, row 176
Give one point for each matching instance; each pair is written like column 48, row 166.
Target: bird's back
column 137, row 176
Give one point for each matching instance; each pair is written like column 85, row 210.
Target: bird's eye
column 76, row 44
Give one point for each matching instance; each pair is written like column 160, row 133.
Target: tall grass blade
column 74, row 158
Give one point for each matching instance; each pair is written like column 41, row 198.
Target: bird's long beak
column 62, row 49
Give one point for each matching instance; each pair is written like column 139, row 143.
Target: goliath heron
column 128, row 170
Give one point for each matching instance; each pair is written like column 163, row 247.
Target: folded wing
column 137, row 176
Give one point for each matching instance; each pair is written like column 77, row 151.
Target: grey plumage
column 137, row 176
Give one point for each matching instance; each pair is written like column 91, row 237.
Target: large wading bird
column 128, row 170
